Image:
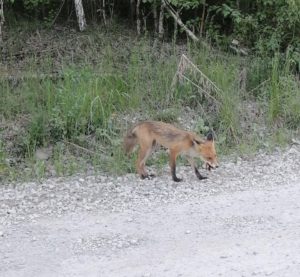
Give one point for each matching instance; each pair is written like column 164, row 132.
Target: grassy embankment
column 107, row 78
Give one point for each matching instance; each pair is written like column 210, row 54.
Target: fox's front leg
column 173, row 156
column 198, row 174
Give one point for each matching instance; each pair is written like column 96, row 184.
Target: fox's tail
column 130, row 140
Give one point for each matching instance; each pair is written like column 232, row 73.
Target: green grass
column 86, row 103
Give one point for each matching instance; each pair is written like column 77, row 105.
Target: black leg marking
column 148, row 176
column 174, row 177
column 200, row 177
column 208, row 167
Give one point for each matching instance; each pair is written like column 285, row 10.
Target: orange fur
column 148, row 134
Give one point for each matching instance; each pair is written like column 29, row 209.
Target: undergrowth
column 83, row 111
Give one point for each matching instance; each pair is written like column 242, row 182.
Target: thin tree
column 161, row 30
column 80, row 15
column 138, row 19
column 1, row 20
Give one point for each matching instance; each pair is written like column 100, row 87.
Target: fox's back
column 164, row 134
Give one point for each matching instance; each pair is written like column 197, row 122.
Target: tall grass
column 275, row 94
column 283, row 94
column 92, row 91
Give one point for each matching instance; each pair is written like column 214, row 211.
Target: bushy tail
column 130, row 141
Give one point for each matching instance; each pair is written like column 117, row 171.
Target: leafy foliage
column 265, row 26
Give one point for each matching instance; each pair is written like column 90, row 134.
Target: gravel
column 242, row 221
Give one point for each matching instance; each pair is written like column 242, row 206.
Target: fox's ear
column 210, row 136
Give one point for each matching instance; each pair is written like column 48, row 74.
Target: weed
column 167, row 115
column 39, row 169
column 283, row 95
column 4, row 169
column 274, row 97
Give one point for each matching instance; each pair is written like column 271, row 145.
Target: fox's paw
column 176, row 179
column 147, row 176
column 199, row 176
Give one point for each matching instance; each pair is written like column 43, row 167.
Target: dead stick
column 261, row 84
column 197, row 69
column 82, row 148
column 189, row 80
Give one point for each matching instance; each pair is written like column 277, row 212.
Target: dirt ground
column 243, row 221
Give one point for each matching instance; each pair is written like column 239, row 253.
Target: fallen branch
column 185, row 63
column 193, row 83
column 85, row 149
column 260, row 85
column 295, row 141
column 19, row 77
column 59, row 10
column 201, row 82
column 42, row 76
column 176, row 17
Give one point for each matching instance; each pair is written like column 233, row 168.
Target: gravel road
column 243, row 221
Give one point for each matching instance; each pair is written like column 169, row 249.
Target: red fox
column 148, row 134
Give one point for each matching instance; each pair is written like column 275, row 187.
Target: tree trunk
column 138, row 20
column 155, row 17
column 161, row 30
column 111, row 9
column 175, row 31
column 202, row 19
column 144, row 23
column 132, row 11
column 80, row 15
column 1, row 20
column 104, row 12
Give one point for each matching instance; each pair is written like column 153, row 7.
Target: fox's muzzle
column 210, row 166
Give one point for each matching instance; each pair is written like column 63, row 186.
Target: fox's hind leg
column 144, row 153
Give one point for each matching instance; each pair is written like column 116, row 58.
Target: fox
column 150, row 134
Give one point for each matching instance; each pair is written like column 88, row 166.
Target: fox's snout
column 214, row 166
column 210, row 165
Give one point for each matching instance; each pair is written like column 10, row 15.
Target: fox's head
column 206, row 150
